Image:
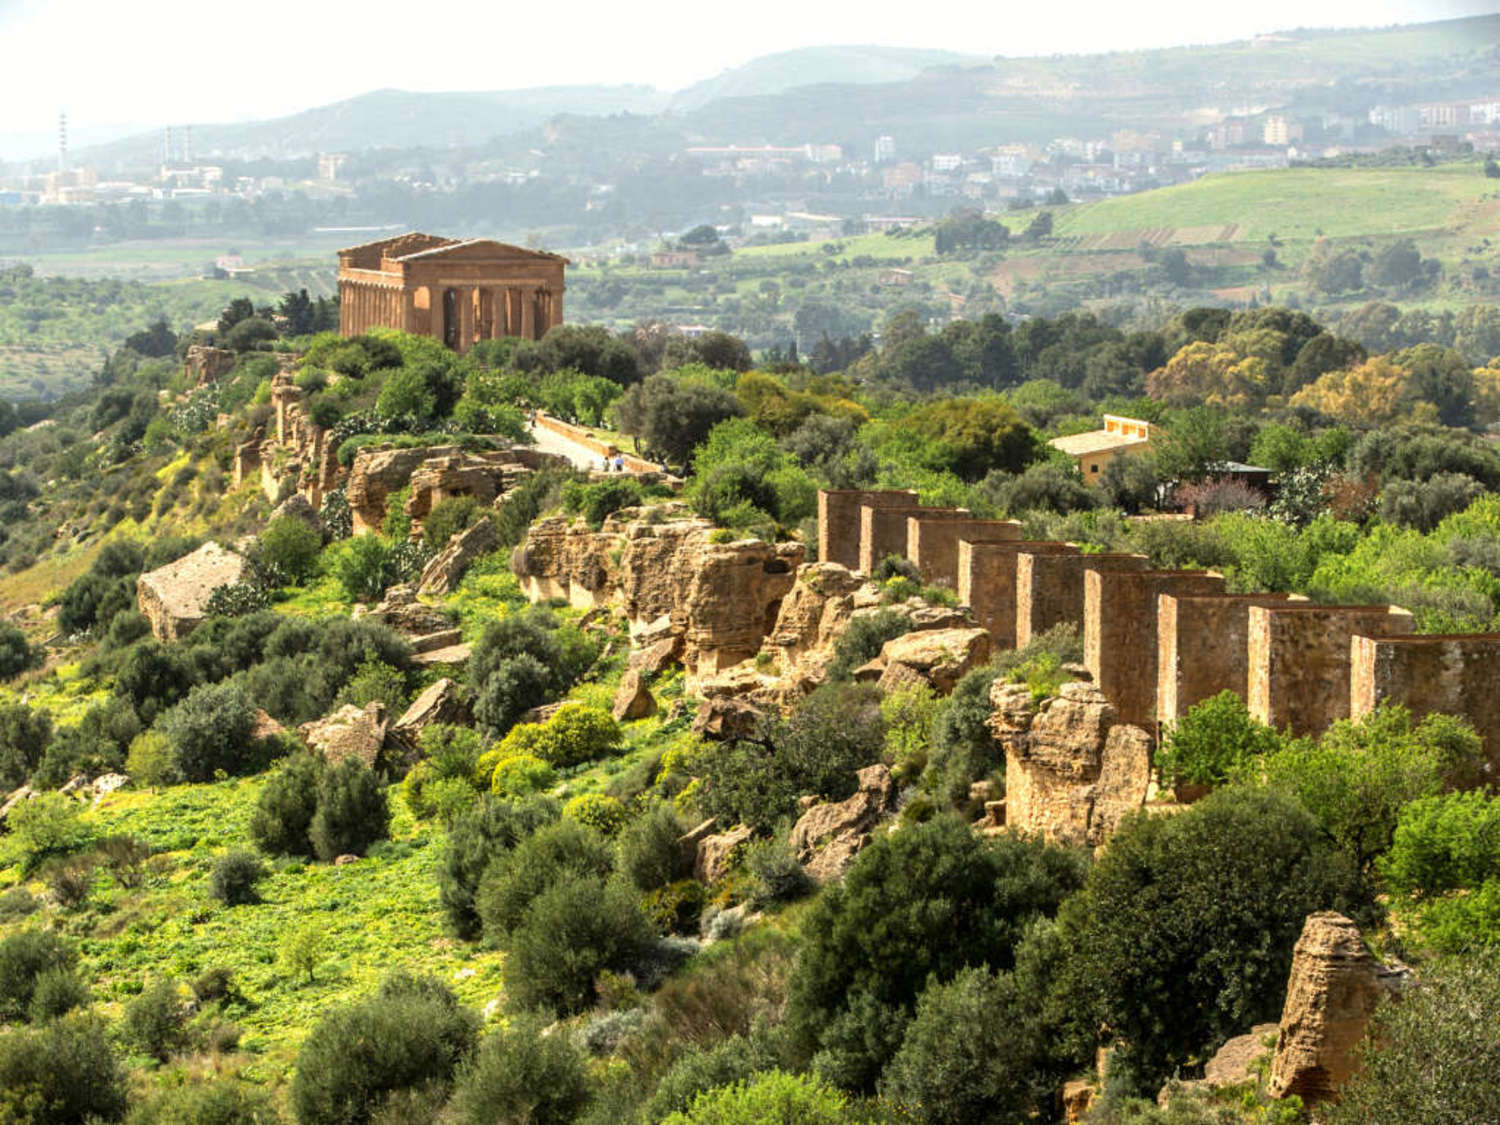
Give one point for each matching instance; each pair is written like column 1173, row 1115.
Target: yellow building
column 1097, row 448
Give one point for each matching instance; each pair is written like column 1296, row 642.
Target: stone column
column 464, row 299
column 557, row 313
column 528, row 314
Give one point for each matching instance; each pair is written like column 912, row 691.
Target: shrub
column 16, row 653
column 48, row 825
column 155, row 1021
column 1464, row 923
column 1359, row 776
column 69, row 879
column 213, row 730
column 520, row 774
column 650, row 851
column 412, row 1032
column 61, row 1074
column 1211, row 743
column 778, row 875
column 361, row 565
column 1444, row 843
column 926, row 901
column 572, row 735
column 486, row 830
column 862, row 640
column 771, row 1096
column 677, row 907
column 1196, row 915
column 125, row 857
column 972, row 1052
column 733, row 1060
column 302, row 950
column 24, row 734
column 514, row 878
column 288, row 550
column 376, row 681
column 234, row 876
column 151, row 761
column 514, row 686
column 594, row 501
column 448, row 517
column 57, row 992
column 575, row 930
column 26, row 956
column 521, row 1074
column 963, row 746
column 599, row 811
column 284, row 811
column 352, row 812
column 909, row 713
column 221, row 1101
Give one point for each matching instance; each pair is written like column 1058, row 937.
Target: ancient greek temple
column 458, row 291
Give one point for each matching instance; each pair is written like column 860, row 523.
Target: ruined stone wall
column 1202, row 648
column 932, row 544
column 1299, row 660
column 839, row 520
column 1049, row 588
column 987, row 582
column 378, row 472
column 882, row 531
column 1119, row 632
column 1451, row 675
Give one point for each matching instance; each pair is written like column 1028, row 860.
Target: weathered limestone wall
column 1451, row 675
column 1202, row 647
column 882, row 531
column 1299, row 660
column 987, row 581
column 839, row 520
column 932, row 544
column 1119, row 632
column 1049, row 588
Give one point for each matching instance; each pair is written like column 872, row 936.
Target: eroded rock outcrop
column 205, row 364
column 375, row 474
column 1334, row 987
column 446, row 569
column 633, row 700
column 357, row 732
column 1071, row 771
column 938, row 658
column 441, row 702
column 828, row 836
column 438, row 478
column 173, row 597
column 715, row 855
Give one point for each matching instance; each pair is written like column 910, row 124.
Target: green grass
column 878, row 246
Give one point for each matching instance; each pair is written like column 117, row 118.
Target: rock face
column 1071, row 771
column 375, row 474
column 206, row 365
column 668, row 577
column 402, row 612
column 1334, row 987
column 440, row 477
column 716, row 854
column 446, row 568
column 348, row 732
column 936, row 657
column 173, row 596
column 828, row 837
column 441, row 702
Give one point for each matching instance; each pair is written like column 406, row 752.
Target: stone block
column 1119, row 632
column 987, row 581
column 1049, row 588
column 839, row 520
column 1299, row 660
column 174, row 597
column 932, row 544
column 1449, row 675
column 882, row 530
column 1202, row 647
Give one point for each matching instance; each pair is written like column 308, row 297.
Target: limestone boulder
column 633, row 700
column 375, row 474
column 265, row 726
column 717, row 854
column 402, row 612
column 937, row 657
column 441, row 702
column 657, row 657
column 1335, row 985
column 173, row 597
column 726, row 718
column 107, row 783
column 1071, row 770
column 357, row 732
column 446, row 568
column 827, row 837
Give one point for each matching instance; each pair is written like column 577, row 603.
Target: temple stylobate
column 458, row 291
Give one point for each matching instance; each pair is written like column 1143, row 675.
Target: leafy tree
column 1433, row 1057
column 1331, row 271
column 671, row 417
column 234, row 876
column 599, row 499
column 1444, row 843
column 155, row 1022
column 213, row 730
column 521, row 1074
column 514, row 878
column 352, row 812
column 924, row 902
column 475, row 838
column 60, row 1074
column 24, row 734
column 1214, row 741
column 157, row 340
column 240, row 308
column 284, row 811
column 972, row 436
column 300, row 312
column 1194, row 443
column 288, row 550
column 16, row 653
column 26, row 956
column 412, row 1032
column 1397, row 265
column 1182, row 935
column 361, row 565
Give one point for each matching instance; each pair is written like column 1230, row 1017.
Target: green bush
column 488, row 829
column 862, row 640
column 574, row 734
column 221, row 1101
column 24, row 734
column 650, row 851
column 62, row 1073
column 155, row 1022
column 448, row 517
column 57, row 992
column 778, row 876
column 1183, row 933
column 515, row 878
column 575, row 930
column 25, row 957
column 771, row 1096
column 213, row 730
column 733, row 1060
column 972, row 1052
column 234, row 876
column 46, row 827
column 599, row 811
column 375, row 681
column 599, row 499
column 520, row 774
column 1213, row 742
column 1434, row 1056
column 677, row 907
column 411, row 1033
column 521, row 661
column 1463, row 923
column 924, row 902
column 1358, row 777
column 352, row 811
column 520, row 1074
column 16, row 653
column 288, row 550
column 1444, row 843
column 284, row 811
column 361, row 565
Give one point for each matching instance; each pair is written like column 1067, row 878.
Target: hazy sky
column 113, row 63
